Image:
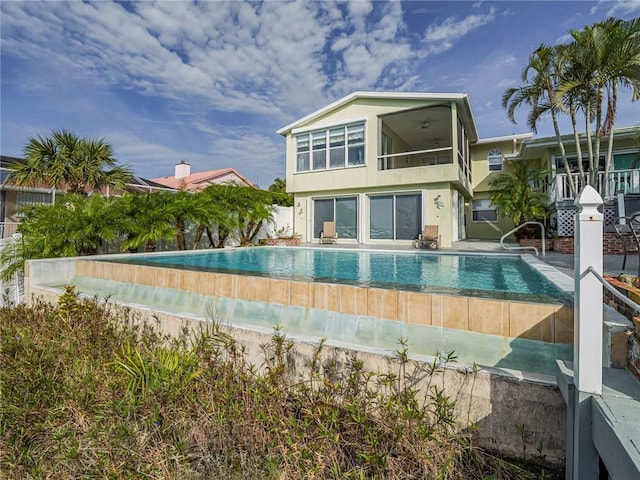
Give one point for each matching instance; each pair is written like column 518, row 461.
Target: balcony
column 420, row 158
column 618, row 181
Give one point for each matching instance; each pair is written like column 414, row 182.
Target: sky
column 210, row 82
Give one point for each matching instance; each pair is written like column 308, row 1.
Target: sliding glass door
column 395, row 217
column 343, row 211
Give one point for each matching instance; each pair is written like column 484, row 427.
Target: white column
column 362, row 218
column 587, row 320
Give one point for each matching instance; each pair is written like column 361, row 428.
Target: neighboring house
column 183, row 179
column 14, row 197
column 383, row 164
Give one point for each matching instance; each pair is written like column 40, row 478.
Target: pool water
column 492, row 276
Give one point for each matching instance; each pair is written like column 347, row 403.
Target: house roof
column 462, row 99
column 200, row 180
column 532, row 148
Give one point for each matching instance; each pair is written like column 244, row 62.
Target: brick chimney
column 183, row 169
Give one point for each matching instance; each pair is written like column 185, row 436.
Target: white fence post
column 587, row 332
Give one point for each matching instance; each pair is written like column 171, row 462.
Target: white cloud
column 617, row 8
column 267, row 59
column 441, row 37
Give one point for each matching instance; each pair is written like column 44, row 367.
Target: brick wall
column 611, row 244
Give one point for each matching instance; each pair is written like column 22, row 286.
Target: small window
column 495, row 160
column 483, row 211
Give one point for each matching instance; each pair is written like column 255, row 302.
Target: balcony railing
column 619, row 181
column 7, row 229
column 420, row 158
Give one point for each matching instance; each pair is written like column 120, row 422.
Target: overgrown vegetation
column 89, row 393
column 86, row 225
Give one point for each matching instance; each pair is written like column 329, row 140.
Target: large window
column 343, row 211
column 483, row 211
column 345, row 148
column 395, row 217
column 495, row 160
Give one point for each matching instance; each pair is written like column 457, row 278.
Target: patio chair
column 629, row 235
column 429, row 238
column 329, row 234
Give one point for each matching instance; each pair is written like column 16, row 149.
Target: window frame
column 395, row 214
column 313, row 162
column 475, row 210
column 494, row 154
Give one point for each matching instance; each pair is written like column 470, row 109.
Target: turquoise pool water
column 492, row 276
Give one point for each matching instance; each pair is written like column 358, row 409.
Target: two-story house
column 383, row 164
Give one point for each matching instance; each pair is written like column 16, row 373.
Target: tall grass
column 89, row 393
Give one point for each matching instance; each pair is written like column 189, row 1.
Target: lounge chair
column 429, row 238
column 329, row 234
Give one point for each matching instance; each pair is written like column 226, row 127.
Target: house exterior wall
column 447, row 195
column 482, row 178
column 432, row 182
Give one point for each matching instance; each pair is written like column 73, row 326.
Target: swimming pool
column 506, row 277
column 526, row 331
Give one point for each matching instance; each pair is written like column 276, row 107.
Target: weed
column 90, row 391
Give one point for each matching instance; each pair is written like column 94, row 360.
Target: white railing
column 619, row 181
column 507, row 247
column 7, row 229
column 418, row 158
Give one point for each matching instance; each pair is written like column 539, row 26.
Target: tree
column 70, row 163
column 541, row 78
column 253, row 208
column 605, row 56
column 145, row 222
column 582, row 77
column 279, row 189
column 75, row 225
column 516, row 197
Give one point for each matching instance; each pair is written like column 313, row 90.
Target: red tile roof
column 200, row 180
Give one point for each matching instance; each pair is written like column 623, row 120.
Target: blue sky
column 210, row 82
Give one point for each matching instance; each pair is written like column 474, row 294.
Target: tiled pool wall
column 533, row 321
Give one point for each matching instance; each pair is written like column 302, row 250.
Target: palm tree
column 604, row 56
column 145, row 221
column 541, row 78
column 68, row 162
column 516, row 197
column 280, row 195
column 75, row 225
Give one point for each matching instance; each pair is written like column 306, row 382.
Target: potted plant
column 283, row 236
column 516, row 196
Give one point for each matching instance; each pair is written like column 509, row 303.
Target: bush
column 89, row 392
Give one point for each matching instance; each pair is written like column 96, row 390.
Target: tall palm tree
column 65, row 161
column 604, row 56
column 541, row 79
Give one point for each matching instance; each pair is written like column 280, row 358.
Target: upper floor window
column 337, row 147
column 495, row 160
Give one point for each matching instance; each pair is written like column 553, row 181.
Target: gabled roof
column 462, row 99
column 200, row 180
